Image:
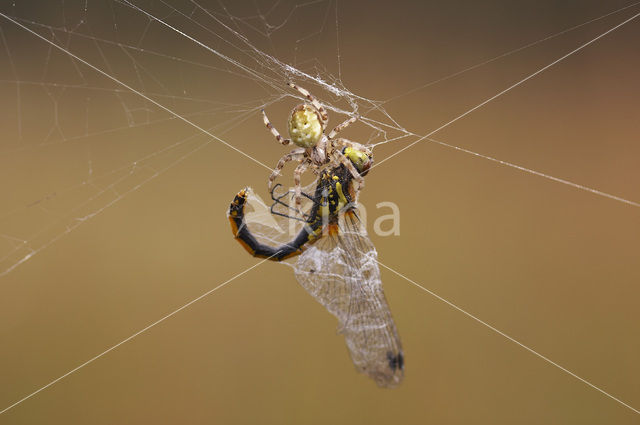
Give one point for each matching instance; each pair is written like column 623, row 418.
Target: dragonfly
column 337, row 264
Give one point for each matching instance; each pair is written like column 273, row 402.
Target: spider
column 307, row 125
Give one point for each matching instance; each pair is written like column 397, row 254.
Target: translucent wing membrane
column 341, row 271
column 337, row 265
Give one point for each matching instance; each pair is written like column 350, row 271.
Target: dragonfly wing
column 341, row 272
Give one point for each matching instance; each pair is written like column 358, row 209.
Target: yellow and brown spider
column 307, row 124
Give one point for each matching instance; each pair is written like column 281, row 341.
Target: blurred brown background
column 124, row 210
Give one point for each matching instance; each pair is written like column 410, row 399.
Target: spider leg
column 297, row 174
column 296, row 154
column 316, row 170
column 342, row 142
column 341, row 127
column 273, row 130
column 337, row 155
column 313, row 100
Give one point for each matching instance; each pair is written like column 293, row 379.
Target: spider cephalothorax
column 307, row 124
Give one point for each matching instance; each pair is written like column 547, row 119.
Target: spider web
column 59, row 103
column 128, row 95
column 67, row 101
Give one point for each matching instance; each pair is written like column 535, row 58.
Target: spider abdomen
column 305, row 127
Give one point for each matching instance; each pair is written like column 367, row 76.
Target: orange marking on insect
column 247, row 247
column 332, row 229
column 234, row 227
column 294, row 253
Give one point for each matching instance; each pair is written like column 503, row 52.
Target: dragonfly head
column 361, row 159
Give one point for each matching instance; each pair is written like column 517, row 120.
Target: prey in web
column 337, row 264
